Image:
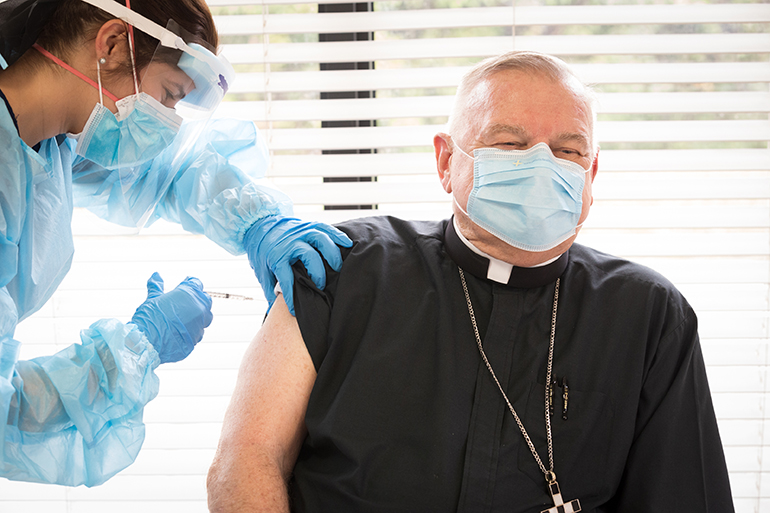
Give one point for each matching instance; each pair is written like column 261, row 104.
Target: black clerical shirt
column 404, row 415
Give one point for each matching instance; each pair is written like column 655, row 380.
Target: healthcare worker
column 109, row 110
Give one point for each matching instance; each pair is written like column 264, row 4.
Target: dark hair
column 76, row 21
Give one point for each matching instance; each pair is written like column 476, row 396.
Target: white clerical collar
column 498, row 270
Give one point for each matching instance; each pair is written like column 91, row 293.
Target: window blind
column 683, row 186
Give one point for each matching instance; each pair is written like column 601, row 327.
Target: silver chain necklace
column 550, row 476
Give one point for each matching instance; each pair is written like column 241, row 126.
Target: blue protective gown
column 76, row 417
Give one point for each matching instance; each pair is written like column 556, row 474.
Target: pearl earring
column 102, row 61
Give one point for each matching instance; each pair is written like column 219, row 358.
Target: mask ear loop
column 133, row 61
column 78, row 74
column 453, row 194
column 99, row 79
column 461, row 151
column 461, row 208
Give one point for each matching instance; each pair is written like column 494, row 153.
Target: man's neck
column 482, row 265
column 499, row 270
column 489, row 246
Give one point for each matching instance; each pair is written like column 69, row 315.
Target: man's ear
column 111, row 44
column 594, row 169
column 443, row 149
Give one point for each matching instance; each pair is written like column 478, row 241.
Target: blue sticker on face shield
column 211, row 74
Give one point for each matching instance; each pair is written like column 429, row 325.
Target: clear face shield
column 153, row 136
column 194, row 79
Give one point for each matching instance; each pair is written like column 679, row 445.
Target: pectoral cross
column 572, row 506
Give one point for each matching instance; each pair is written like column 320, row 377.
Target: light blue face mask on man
column 529, row 199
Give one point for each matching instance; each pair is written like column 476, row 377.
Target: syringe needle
column 226, row 295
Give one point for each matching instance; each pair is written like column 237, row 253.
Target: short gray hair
column 525, row 62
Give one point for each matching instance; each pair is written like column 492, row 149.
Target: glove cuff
column 256, row 232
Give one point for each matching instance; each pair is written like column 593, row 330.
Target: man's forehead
column 490, row 109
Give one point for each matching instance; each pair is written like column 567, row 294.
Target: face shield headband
column 212, row 74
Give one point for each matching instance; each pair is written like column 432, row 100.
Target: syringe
column 225, row 295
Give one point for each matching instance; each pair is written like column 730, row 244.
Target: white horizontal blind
column 683, row 186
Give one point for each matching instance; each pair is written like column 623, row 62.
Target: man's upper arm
column 676, row 461
column 264, row 424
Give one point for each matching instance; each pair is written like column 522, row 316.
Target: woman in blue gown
column 110, row 110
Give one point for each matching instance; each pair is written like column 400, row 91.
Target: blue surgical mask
column 528, row 199
column 142, row 129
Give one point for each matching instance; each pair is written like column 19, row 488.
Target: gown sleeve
column 207, row 181
column 75, row 417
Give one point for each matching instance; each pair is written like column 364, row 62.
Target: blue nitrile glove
column 174, row 321
column 274, row 243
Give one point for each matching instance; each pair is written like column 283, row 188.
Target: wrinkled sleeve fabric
column 676, row 461
column 207, row 180
column 76, row 417
column 218, row 193
column 314, row 306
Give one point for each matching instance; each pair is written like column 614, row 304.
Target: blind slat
column 187, row 409
column 432, row 106
column 352, row 165
column 680, row 214
column 197, row 436
column 751, row 269
column 744, row 378
column 739, row 406
column 164, row 462
column 606, row 132
column 644, row 103
column 651, row 161
column 683, row 185
column 486, row 46
column 669, row 131
column 415, row 19
column 683, row 160
column 651, row 215
column 19, row 490
column 362, row 80
column 728, row 352
column 609, row 186
column 681, row 243
column 124, row 488
column 366, row 193
column 186, row 382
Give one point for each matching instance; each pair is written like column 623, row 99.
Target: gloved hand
column 274, row 243
column 174, row 321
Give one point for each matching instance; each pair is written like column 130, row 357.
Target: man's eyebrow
column 572, row 136
column 501, row 128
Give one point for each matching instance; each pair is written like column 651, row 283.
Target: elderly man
column 484, row 363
